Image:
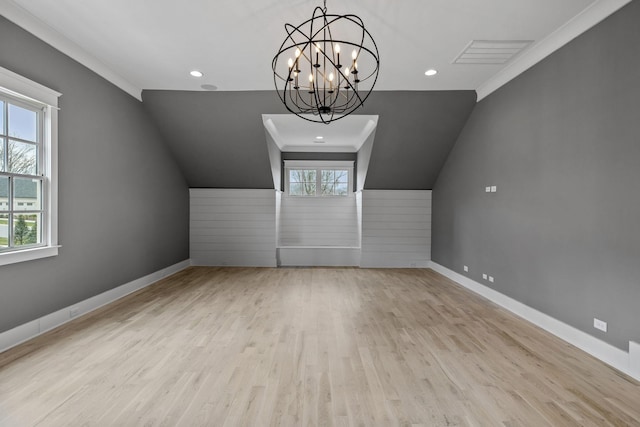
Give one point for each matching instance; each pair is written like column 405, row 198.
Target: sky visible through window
column 22, row 123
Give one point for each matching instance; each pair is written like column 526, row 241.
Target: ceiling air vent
column 491, row 51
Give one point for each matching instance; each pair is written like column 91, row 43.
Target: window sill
column 28, row 255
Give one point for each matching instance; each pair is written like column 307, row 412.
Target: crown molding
column 586, row 19
column 35, row 26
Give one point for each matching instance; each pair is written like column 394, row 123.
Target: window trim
column 26, row 90
column 318, row 165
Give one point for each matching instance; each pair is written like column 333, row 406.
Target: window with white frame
column 28, row 159
column 318, row 179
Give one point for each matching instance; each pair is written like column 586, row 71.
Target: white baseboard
column 634, row 359
column 32, row 329
column 629, row 363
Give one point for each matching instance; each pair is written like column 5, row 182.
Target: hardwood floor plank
column 308, row 347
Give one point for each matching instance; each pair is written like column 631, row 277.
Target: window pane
column 27, row 194
column 22, row 157
column 326, row 182
column 4, row 193
column 23, row 123
column 2, row 117
column 342, row 176
column 328, row 175
column 2, row 168
column 4, row 230
column 302, row 175
column 327, row 189
column 295, row 189
column 26, row 229
column 342, row 189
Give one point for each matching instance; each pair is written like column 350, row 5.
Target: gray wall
column 124, row 205
column 562, row 144
column 415, row 133
column 219, row 141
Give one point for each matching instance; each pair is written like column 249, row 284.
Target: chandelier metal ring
column 312, row 82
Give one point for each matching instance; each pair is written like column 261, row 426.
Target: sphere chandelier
column 326, row 67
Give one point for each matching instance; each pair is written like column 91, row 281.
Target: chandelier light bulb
column 298, row 53
column 346, row 71
column 354, row 54
column 337, row 48
column 310, row 78
column 331, row 76
column 290, row 63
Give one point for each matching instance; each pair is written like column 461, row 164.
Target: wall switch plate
column 491, row 279
column 494, row 188
column 484, row 276
column 466, row 268
column 600, row 324
column 487, row 190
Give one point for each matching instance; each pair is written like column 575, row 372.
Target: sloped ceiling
column 218, row 137
column 219, row 141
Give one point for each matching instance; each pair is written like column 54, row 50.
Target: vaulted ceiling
column 148, row 48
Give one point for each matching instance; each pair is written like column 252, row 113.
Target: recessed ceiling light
column 319, row 137
column 196, row 73
column 430, row 72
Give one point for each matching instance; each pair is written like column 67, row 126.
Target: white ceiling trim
column 586, row 19
column 30, row 23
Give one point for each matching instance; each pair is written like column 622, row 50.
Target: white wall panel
column 396, row 228
column 233, row 227
column 318, row 221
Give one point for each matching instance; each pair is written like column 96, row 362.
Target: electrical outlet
column 74, row 311
column 600, row 324
column 484, row 276
column 494, row 188
column 491, row 279
column 487, row 189
column 466, row 268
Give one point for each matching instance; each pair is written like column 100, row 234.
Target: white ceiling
column 154, row 44
column 346, row 135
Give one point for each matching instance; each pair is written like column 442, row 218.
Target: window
column 28, row 160
column 318, row 179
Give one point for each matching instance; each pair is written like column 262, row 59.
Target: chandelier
column 313, row 77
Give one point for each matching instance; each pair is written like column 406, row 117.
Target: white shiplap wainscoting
column 233, row 227
column 318, row 221
column 318, row 231
column 264, row 228
column 396, row 228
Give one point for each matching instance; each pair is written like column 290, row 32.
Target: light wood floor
column 344, row 347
